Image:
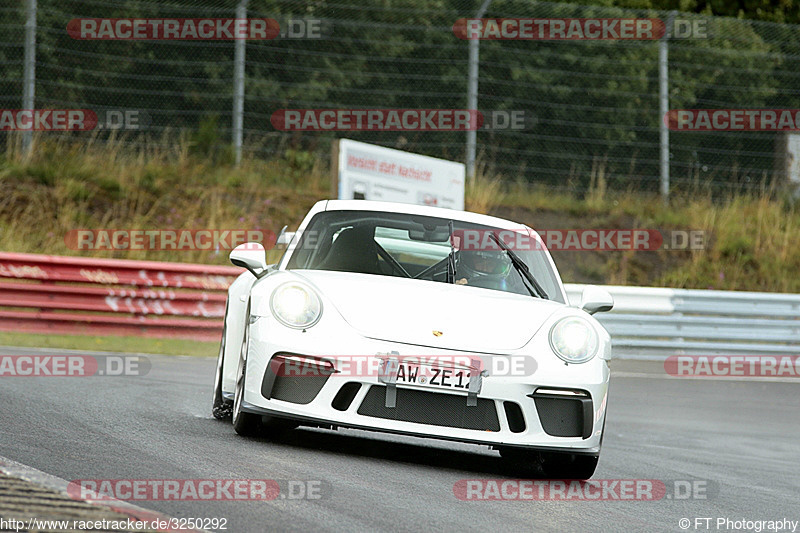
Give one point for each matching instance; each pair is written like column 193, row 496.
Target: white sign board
column 370, row 172
column 793, row 155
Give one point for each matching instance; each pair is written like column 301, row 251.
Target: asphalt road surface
column 736, row 442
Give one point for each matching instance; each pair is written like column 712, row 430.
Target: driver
column 489, row 269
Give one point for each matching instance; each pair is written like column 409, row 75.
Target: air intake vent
column 564, row 414
column 516, row 422
column 345, row 396
column 294, row 378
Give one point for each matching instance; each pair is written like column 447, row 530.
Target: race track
column 740, row 438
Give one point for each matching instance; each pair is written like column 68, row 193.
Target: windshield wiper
column 451, row 258
column 522, row 268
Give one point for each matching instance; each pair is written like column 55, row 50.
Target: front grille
column 435, row 409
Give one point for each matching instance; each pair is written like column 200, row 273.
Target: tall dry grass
column 752, row 241
column 483, row 192
column 64, row 185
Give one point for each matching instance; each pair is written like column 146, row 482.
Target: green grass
column 111, row 344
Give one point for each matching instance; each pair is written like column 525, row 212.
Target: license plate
column 433, row 377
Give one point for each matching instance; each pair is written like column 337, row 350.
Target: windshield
column 418, row 247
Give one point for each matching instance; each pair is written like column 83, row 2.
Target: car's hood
column 410, row 311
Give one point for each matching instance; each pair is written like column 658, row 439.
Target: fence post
column 663, row 103
column 472, row 93
column 238, row 86
column 29, row 73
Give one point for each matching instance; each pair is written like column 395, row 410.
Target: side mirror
column 250, row 255
column 596, row 300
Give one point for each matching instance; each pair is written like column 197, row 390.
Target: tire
column 220, row 407
column 245, row 424
column 556, row 465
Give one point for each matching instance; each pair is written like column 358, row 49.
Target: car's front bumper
column 491, row 422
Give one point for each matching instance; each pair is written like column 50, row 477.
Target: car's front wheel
column 220, row 407
column 245, row 424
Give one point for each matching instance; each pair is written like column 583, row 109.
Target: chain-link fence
column 592, row 106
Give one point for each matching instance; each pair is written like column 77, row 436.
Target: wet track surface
column 740, row 438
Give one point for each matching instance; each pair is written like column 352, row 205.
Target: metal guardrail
column 74, row 295
column 654, row 323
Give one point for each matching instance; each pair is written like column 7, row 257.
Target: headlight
column 295, row 305
column 574, row 340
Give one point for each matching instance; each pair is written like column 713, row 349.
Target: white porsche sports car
column 419, row 321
